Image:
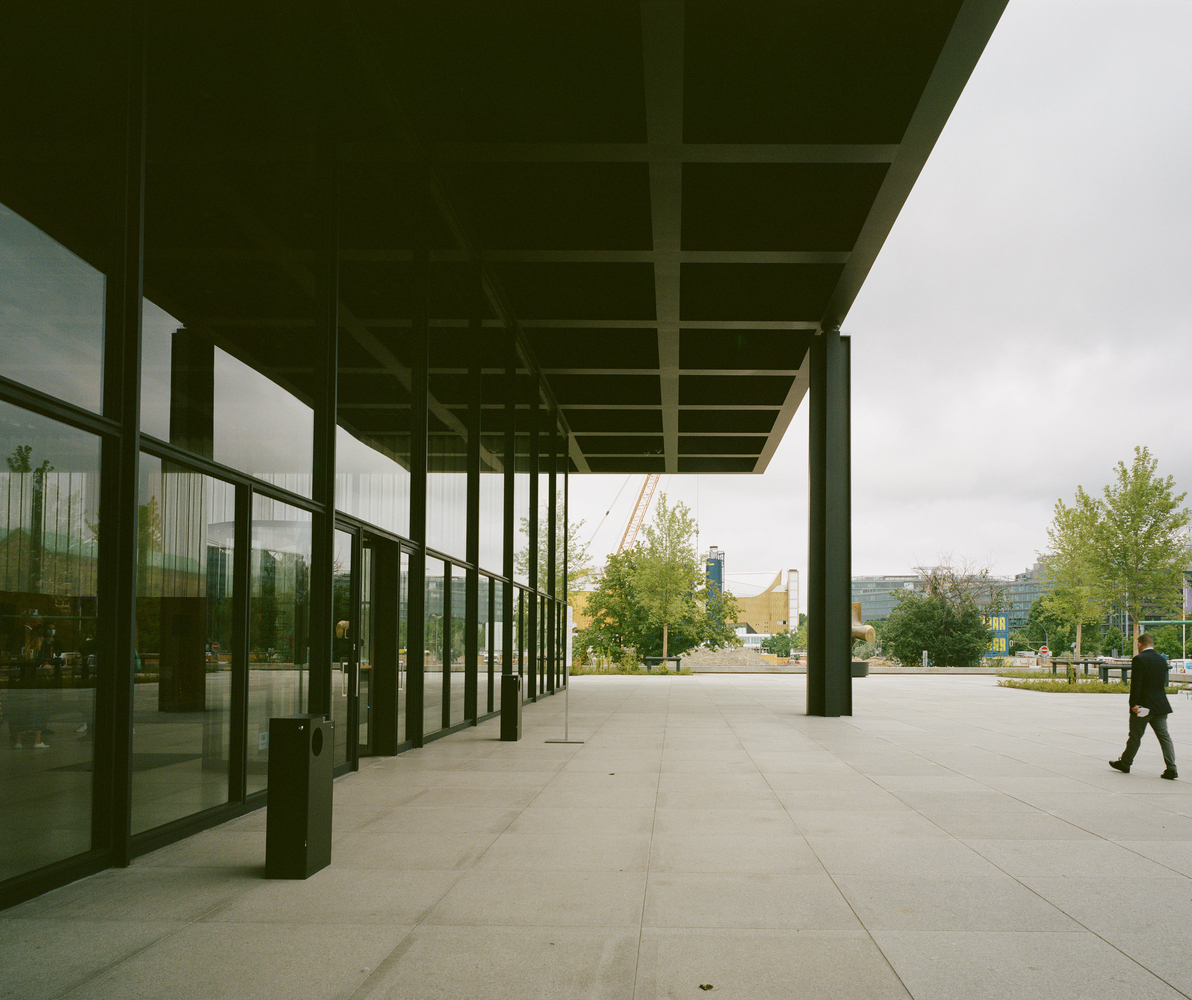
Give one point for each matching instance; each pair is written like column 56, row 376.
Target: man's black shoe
column 1169, row 774
column 1117, row 765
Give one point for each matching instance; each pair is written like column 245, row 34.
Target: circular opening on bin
column 316, row 744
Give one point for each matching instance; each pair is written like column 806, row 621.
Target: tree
column 579, row 559
column 1070, row 561
column 618, row 619
column 779, row 644
column 1142, row 544
column 668, row 579
column 946, row 617
column 1114, row 640
column 621, row 620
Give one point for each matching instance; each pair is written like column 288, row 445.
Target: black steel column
column 509, row 727
column 241, row 643
column 322, row 562
column 533, row 678
column 829, row 613
column 119, row 484
column 419, row 397
column 472, row 591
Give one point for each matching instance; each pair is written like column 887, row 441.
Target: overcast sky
column 1029, row 319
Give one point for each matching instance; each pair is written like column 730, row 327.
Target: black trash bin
column 511, row 706
column 298, row 820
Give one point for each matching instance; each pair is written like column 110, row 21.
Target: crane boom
column 639, row 512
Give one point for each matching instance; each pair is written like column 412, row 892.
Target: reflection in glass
column 364, row 655
column 484, row 655
column 447, row 497
column 432, row 685
column 200, row 398
column 49, row 523
column 371, row 485
column 182, row 695
column 521, row 514
column 458, row 644
column 279, row 624
column 52, row 313
column 343, row 644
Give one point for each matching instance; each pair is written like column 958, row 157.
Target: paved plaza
column 951, row 840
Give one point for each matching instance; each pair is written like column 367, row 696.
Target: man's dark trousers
column 1148, row 689
column 1138, row 726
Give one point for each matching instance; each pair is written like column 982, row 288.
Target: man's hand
column 1134, row 709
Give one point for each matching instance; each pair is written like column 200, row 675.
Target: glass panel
column 459, row 594
column 49, row 522
column 199, row 397
column 232, row 332
column 279, row 624
column 484, row 656
column 343, row 644
column 365, row 652
column 521, row 509
column 65, row 89
column 372, row 485
column 432, row 691
column 403, row 612
column 182, row 700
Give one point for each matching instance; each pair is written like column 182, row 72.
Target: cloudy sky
column 1029, row 320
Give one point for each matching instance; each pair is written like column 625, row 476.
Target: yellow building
column 775, row 608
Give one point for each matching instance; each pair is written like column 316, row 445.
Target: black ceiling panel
column 594, row 348
column 777, row 206
column 787, row 292
column 627, row 464
column 642, row 390
column 597, row 291
column 525, row 71
column 738, row 390
column 739, row 350
column 614, row 421
column 628, row 444
column 711, row 445
column 726, row 421
column 689, row 463
column 808, row 71
column 555, row 206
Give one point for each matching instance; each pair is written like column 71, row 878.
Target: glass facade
column 230, row 600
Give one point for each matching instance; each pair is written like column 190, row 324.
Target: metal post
column 829, row 616
column 566, row 708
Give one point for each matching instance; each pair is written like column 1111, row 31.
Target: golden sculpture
column 861, row 633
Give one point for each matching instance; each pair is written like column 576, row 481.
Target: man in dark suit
column 1148, row 704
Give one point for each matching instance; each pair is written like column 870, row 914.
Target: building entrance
column 353, row 646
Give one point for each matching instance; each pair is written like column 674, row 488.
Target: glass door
column 365, row 649
column 344, row 646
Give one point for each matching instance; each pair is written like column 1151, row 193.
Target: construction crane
column 639, row 512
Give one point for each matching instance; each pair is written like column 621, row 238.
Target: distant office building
column 878, row 594
column 714, row 568
column 1021, row 592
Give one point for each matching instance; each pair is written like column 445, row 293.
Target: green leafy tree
column 1114, row 640
column 1169, row 642
column 618, row 618
column 669, row 580
column 579, row 559
column 946, row 617
column 779, row 644
column 1142, row 546
column 1076, row 596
